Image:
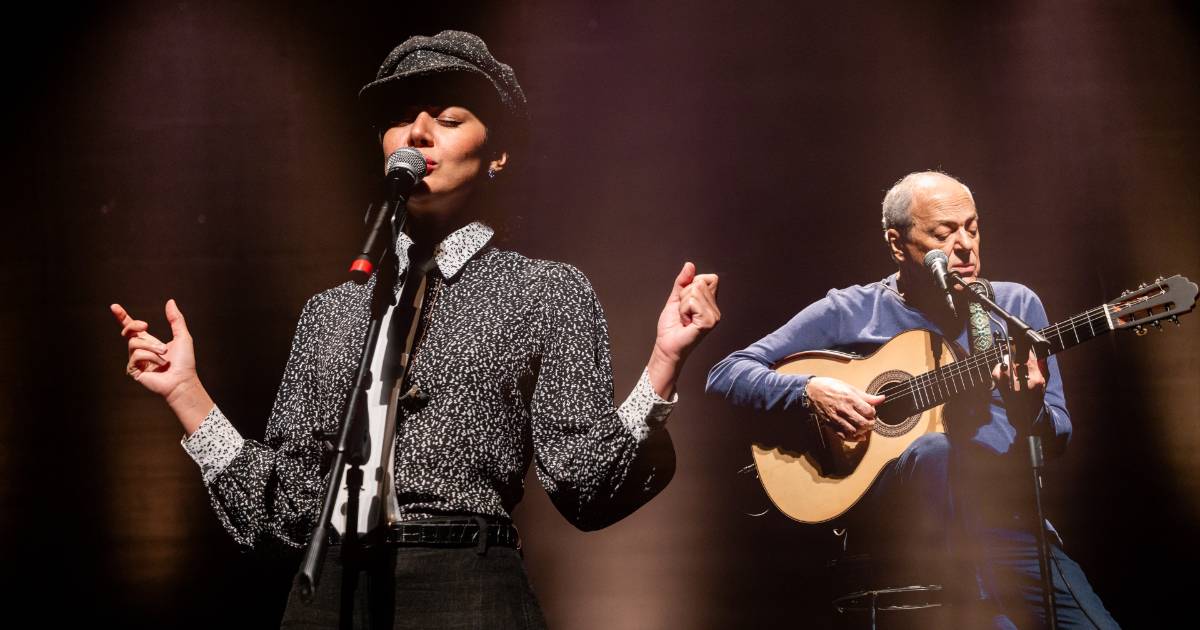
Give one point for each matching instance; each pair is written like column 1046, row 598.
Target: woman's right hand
column 167, row 369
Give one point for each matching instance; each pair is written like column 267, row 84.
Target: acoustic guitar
column 917, row 372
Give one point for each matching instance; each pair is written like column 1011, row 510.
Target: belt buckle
column 410, row 534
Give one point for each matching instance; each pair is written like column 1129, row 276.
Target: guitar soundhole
column 886, row 426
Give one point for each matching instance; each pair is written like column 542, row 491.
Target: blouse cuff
column 213, row 445
column 644, row 410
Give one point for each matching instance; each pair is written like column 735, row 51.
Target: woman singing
column 510, row 365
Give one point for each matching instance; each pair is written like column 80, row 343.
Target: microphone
column 405, row 169
column 936, row 263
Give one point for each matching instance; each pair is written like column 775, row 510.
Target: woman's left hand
column 690, row 313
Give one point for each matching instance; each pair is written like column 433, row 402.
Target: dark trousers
column 426, row 588
column 1012, row 583
column 968, row 537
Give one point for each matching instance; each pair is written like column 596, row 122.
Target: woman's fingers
column 699, row 300
column 175, row 318
column 706, row 301
column 146, row 352
column 704, row 286
column 119, row 312
column 682, row 280
column 129, row 326
column 134, row 328
column 147, row 342
column 143, row 358
column 708, row 281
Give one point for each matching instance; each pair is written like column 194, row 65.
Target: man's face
column 943, row 217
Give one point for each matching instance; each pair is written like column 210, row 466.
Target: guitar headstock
column 1165, row 298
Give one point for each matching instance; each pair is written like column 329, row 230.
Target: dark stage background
column 212, row 153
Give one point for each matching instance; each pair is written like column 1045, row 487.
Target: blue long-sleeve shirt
column 861, row 318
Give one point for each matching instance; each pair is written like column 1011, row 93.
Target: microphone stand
column 1025, row 338
column 353, row 436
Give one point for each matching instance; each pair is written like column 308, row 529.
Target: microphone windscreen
column 935, row 256
column 408, row 159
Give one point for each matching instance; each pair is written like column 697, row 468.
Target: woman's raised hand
column 167, row 369
column 690, row 313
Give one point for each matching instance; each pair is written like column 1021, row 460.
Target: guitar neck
column 1083, row 327
column 935, row 387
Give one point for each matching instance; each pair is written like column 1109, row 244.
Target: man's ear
column 893, row 238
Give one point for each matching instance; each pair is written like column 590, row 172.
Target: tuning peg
column 1157, row 324
column 1175, row 318
column 1142, row 286
column 1140, row 330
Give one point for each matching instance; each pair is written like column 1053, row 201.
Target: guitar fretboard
column 935, row 387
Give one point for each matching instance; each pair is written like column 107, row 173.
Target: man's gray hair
column 897, row 203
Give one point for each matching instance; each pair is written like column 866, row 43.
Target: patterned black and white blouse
column 516, row 363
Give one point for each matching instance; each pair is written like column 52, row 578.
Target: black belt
column 447, row 532
column 458, row 531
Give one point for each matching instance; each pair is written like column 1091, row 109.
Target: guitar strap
column 979, row 330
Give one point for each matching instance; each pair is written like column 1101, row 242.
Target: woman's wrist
column 663, row 371
column 191, row 404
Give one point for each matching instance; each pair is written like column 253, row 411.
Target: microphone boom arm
column 1024, row 337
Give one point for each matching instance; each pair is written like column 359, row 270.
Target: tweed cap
column 451, row 60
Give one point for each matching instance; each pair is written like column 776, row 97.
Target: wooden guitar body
column 814, row 487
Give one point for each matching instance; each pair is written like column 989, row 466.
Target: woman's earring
column 491, row 173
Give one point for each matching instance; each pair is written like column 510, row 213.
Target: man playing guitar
column 983, row 519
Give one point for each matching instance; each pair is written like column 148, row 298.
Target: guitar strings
column 937, row 383
column 934, row 382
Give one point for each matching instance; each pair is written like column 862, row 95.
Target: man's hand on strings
column 849, row 411
column 1022, row 386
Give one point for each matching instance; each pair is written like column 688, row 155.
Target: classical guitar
column 917, row 372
